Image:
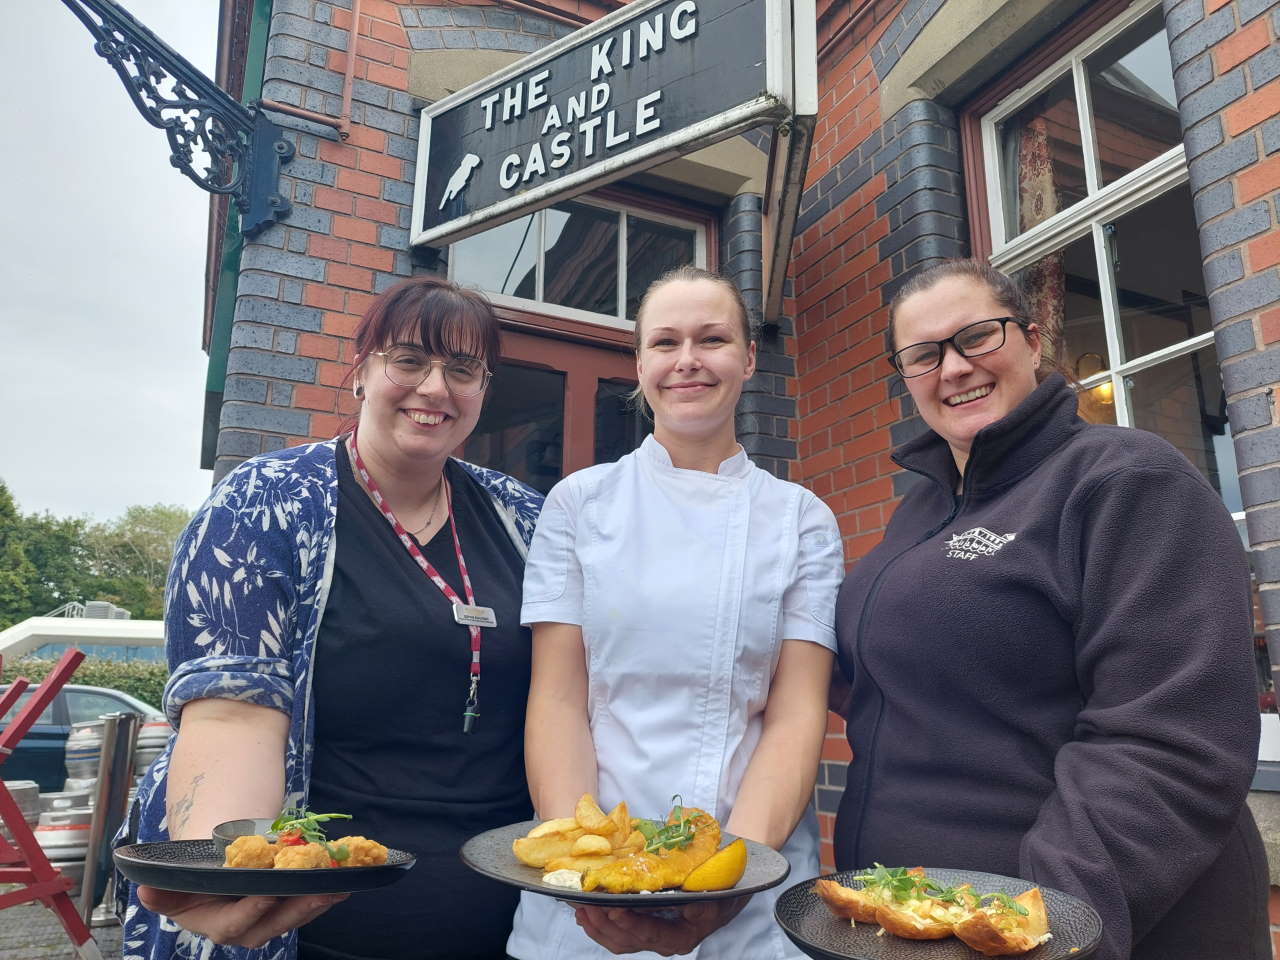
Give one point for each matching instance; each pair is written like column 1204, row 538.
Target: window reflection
column 652, row 249
column 1067, row 303
column 581, row 268
column 521, row 429
column 620, row 427
column 1183, row 401
column 1135, row 109
column 501, row 260
column 1041, row 158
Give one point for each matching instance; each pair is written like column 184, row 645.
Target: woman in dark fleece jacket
column 1050, row 651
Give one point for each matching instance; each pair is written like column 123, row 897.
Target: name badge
column 474, row 616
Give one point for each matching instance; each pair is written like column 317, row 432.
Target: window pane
column 1159, row 277
column 46, row 715
column 1183, row 401
column 521, row 429
column 90, row 706
column 581, row 263
column 652, row 249
column 1066, row 302
column 1042, row 163
column 620, row 427
column 1135, row 110
column 501, row 260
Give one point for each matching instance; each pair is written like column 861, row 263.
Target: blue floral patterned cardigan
column 243, row 604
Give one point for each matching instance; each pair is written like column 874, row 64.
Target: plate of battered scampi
column 619, row 860
column 288, row 856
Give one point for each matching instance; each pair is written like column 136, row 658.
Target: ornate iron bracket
column 245, row 150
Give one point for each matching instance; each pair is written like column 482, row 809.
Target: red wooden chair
column 22, row 861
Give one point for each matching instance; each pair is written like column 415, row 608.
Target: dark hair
column 437, row 314
column 1006, row 291
column 691, row 274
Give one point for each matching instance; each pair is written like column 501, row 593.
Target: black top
column 1053, row 679
column 390, row 680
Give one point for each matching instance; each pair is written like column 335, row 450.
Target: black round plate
column 490, row 853
column 1076, row 926
column 195, row 866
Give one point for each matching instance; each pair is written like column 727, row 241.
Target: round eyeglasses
column 973, row 340
column 463, row 376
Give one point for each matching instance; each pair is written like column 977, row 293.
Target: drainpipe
column 343, row 123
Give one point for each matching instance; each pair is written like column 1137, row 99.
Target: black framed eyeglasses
column 971, row 340
column 463, row 376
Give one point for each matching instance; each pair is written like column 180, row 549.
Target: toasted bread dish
column 848, row 903
column 921, row 919
column 997, row 931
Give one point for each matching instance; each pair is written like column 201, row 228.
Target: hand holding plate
column 238, row 921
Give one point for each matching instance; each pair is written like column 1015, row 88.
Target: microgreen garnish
column 307, row 824
column 901, row 885
column 669, row 835
column 1006, row 902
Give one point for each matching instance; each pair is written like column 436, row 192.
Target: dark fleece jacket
column 1052, row 679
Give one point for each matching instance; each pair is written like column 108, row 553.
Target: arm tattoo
column 180, row 809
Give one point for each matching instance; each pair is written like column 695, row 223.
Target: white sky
column 102, row 268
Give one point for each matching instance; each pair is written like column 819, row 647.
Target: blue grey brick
column 536, row 25
column 304, row 192
column 274, row 235
column 1193, row 75
column 434, row 17
column 499, row 18
column 266, row 364
column 1222, row 162
column 247, row 389
column 1203, row 136
column 1250, row 412
column 1265, row 564
column 297, row 241
column 409, row 17
column 404, row 217
column 397, row 191
column 384, row 119
column 272, row 443
column 259, row 310
column 282, row 92
column 315, row 171
column 1259, row 290
column 304, row 75
column 399, row 101
column 467, row 16
column 1244, row 223
column 302, row 8
column 1260, row 487
column 1271, row 135
column 367, row 92
column 403, row 263
column 1182, row 17
column 1248, row 9
column 286, row 341
column 281, row 394
column 1269, row 602
column 425, row 39
column 256, row 417
column 309, row 218
column 1249, row 373
column 1234, row 339
column 258, row 284
column 393, row 238
column 291, row 291
column 324, row 13
column 318, row 57
column 402, row 147
column 290, row 47
column 1214, row 202
column 1199, row 38
column 1264, row 67
column 282, row 23
column 1220, row 271
column 382, row 282
column 561, row 30
column 457, row 39
column 237, row 443
column 251, row 335
column 1228, row 88
column 1263, row 526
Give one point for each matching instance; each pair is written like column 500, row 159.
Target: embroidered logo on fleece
column 978, row 542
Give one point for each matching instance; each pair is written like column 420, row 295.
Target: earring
column 358, row 391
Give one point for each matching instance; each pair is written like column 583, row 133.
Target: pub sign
column 647, row 83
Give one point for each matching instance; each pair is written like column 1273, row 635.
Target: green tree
column 130, row 556
column 16, row 569
column 55, row 547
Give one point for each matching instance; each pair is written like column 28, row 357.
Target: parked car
column 41, row 754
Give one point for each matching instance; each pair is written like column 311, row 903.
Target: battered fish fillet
column 642, row 871
column 362, row 852
column 252, row 851
column 305, row 856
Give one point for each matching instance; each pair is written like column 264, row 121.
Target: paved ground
column 32, row 932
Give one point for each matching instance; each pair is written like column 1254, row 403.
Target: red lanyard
column 460, row 611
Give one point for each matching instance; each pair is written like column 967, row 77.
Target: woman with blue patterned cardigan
column 316, row 660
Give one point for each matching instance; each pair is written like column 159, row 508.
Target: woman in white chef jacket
column 682, row 605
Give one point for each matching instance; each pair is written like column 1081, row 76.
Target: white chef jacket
column 685, row 584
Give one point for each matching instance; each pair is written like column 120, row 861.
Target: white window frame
column 619, row 322
column 1088, row 217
